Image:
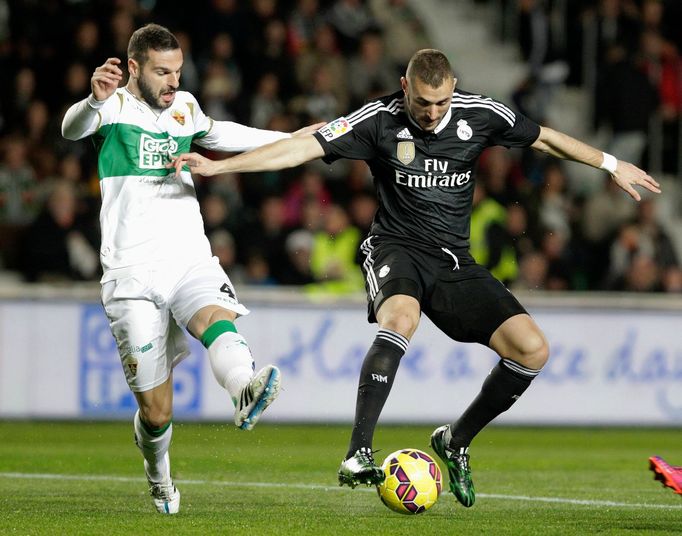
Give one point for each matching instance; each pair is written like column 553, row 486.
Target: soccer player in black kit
column 421, row 145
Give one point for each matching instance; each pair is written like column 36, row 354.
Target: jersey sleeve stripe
column 484, row 99
column 367, row 107
column 393, row 107
column 501, row 109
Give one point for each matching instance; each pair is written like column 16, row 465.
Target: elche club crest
column 464, row 131
column 178, row 116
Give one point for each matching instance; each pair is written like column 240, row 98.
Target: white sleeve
column 233, row 137
column 228, row 136
column 82, row 119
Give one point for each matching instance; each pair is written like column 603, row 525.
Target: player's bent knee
column 403, row 323
column 156, row 417
column 533, row 352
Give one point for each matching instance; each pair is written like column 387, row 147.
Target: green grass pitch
column 87, row 478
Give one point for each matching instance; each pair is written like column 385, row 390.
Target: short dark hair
column 431, row 66
column 150, row 36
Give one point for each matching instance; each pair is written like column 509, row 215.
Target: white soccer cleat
column 165, row 495
column 256, row 397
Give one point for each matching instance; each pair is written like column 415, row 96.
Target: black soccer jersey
column 424, row 180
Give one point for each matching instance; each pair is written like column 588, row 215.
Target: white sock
column 154, row 450
column 231, row 362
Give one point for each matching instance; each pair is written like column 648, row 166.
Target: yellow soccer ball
column 413, row 481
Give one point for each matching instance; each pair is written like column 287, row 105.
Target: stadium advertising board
column 606, row 367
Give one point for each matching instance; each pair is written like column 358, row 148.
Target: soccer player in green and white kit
column 422, row 144
column 158, row 270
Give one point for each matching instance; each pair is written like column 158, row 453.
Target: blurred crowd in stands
column 281, row 64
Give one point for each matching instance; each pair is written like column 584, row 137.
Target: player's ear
column 133, row 68
column 454, row 82
column 403, row 84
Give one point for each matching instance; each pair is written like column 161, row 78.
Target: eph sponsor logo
column 155, row 153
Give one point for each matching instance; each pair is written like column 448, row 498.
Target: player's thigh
column 470, row 307
column 519, row 338
column 148, row 339
column 390, row 270
column 399, row 313
column 204, row 286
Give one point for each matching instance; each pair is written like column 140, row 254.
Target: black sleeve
column 513, row 129
column 343, row 138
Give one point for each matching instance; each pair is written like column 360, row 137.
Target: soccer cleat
column 669, row 475
column 256, row 396
column 457, row 462
column 360, row 468
column 165, row 495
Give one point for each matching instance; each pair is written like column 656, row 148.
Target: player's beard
column 147, row 93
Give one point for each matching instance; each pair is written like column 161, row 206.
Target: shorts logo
column 383, row 271
column 464, row 131
column 335, row 129
column 156, row 152
column 130, row 366
column 178, row 116
column 405, row 151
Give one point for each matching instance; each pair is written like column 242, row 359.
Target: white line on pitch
column 319, row 487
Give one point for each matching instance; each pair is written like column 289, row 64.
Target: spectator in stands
column 402, row 30
column 626, row 101
column 18, row 185
column 369, row 71
column 489, row 243
column 59, row 249
column 664, row 255
column 555, row 208
column 304, row 22
column 631, row 248
column 308, row 186
column 334, row 252
column 266, row 102
column 350, row 19
column 532, row 275
column 324, row 51
column 297, row 270
column 223, row 247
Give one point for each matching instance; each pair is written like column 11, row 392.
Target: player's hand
column 105, row 79
column 308, row 130
column 628, row 175
column 197, row 164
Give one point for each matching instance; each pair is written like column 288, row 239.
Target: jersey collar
column 443, row 122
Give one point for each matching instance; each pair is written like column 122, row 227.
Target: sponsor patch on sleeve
column 335, row 129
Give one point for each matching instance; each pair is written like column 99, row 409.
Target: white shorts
column 145, row 312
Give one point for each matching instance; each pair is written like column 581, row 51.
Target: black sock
column 376, row 379
column 504, row 385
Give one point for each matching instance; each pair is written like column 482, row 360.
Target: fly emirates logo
column 435, row 174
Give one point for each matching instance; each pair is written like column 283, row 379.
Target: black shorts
column 460, row 297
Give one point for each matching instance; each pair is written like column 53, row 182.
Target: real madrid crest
column 405, row 151
column 464, row 131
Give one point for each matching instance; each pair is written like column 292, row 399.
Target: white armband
column 609, row 163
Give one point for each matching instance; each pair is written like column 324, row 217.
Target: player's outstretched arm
column 625, row 174
column 282, row 154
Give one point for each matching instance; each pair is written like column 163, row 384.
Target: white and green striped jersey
column 149, row 215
